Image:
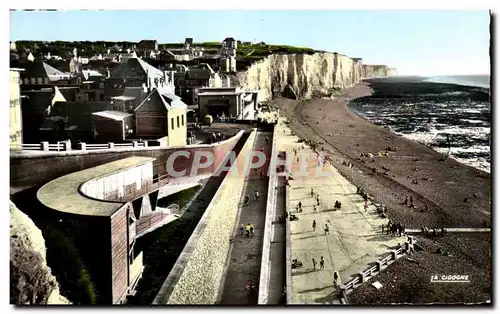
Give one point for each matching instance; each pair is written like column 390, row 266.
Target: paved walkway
column 246, row 255
column 355, row 239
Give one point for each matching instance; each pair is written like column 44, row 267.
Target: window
column 178, row 122
column 172, row 120
column 182, row 120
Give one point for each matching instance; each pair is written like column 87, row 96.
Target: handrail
column 149, row 187
column 265, row 268
column 368, row 272
column 145, row 224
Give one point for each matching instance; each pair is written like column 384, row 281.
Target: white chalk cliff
column 312, row 75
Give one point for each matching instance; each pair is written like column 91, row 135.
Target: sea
column 450, row 114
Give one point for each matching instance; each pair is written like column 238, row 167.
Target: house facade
column 41, row 73
column 162, row 116
column 112, row 126
column 145, row 45
column 229, row 46
column 137, row 73
column 228, row 102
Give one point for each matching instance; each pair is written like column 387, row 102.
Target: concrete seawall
column 37, row 169
column 197, row 273
column 268, row 232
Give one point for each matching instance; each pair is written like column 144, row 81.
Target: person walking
column 317, row 200
column 256, row 195
column 321, row 263
column 366, row 206
column 315, row 209
column 314, row 225
column 335, row 279
column 247, row 200
column 312, row 193
column 327, row 230
column 242, row 229
column 252, row 231
column 314, row 264
column 247, row 230
column 300, row 206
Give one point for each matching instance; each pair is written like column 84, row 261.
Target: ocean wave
column 458, row 124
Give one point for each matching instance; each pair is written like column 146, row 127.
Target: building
column 137, row 73
column 41, row 73
column 35, row 108
column 229, row 46
column 188, row 44
column 72, row 120
column 147, row 45
column 227, row 64
column 228, row 55
column 15, row 121
column 112, row 126
column 228, row 102
column 162, row 116
column 100, row 208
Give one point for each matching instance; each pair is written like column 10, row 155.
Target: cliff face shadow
column 327, row 298
column 315, row 289
column 302, row 272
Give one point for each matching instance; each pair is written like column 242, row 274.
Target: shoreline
column 362, row 116
column 471, row 145
column 442, row 185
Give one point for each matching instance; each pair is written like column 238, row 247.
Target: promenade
column 355, row 237
column 246, row 254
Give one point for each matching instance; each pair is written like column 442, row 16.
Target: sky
column 415, row 42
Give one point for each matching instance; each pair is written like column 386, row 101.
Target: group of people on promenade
column 394, row 228
column 336, row 278
column 256, row 195
column 327, row 228
column 321, row 263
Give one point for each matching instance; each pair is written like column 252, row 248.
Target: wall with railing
column 268, row 225
column 365, row 275
column 68, row 146
column 27, row 170
column 152, row 221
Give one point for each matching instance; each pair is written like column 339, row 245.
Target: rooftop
column 114, row 115
column 228, row 93
column 63, row 194
column 123, row 98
